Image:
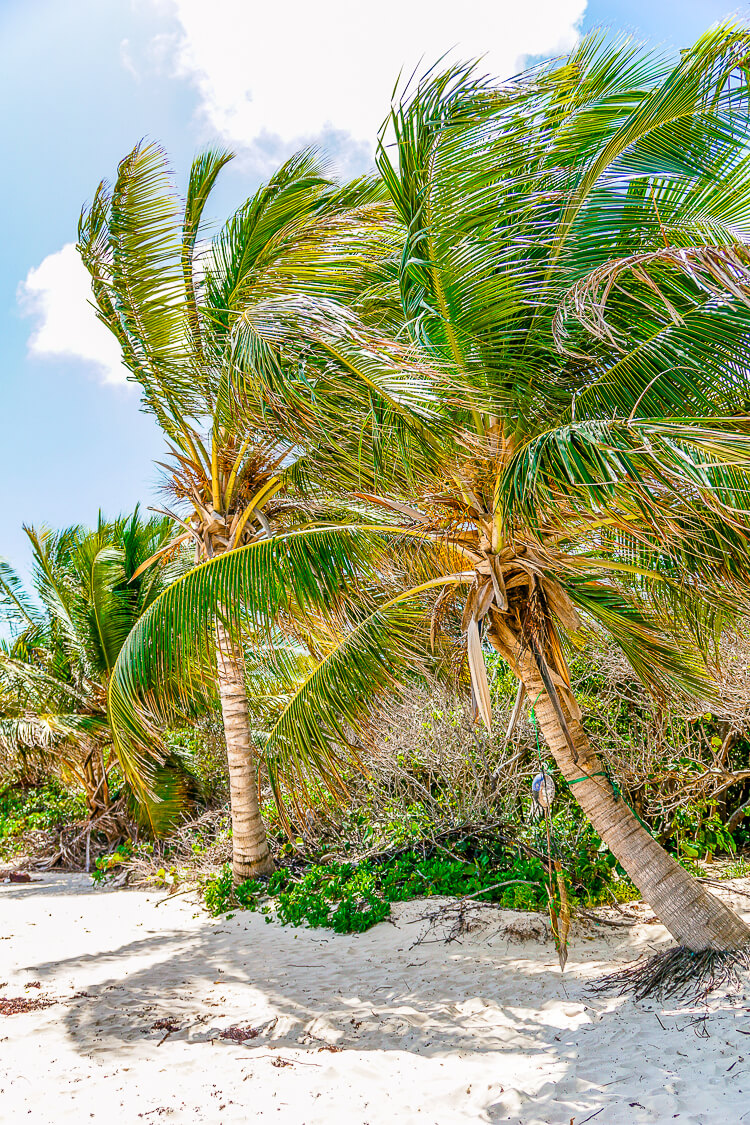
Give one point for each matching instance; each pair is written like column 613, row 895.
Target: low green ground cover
column 349, row 897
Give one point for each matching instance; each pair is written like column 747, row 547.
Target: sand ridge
column 361, row 1029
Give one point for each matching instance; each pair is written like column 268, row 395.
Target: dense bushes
column 684, row 771
column 49, row 806
column 351, row 897
column 434, row 771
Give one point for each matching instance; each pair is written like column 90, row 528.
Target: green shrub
column 343, row 897
column 106, row 865
column 349, row 898
column 698, row 830
column 218, row 892
column 49, row 806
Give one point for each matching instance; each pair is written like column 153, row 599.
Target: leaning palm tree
column 90, row 590
column 568, row 442
column 172, row 297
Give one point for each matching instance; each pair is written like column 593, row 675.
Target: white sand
column 485, row 1030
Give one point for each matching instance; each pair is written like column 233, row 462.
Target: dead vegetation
column 18, row 1005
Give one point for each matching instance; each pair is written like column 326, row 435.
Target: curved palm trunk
column 250, row 854
column 695, row 918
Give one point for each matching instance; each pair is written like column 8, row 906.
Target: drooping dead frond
column 721, row 272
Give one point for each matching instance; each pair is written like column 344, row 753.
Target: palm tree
column 90, row 590
column 172, row 298
column 567, row 444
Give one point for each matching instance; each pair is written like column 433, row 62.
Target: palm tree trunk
column 695, row 918
column 250, row 854
column 94, row 777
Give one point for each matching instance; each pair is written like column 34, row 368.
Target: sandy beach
column 364, row 1029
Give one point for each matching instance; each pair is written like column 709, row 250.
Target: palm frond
column 647, row 465
column 325, row 724
column 17, row 609
column 174, row 788
column 664, row 663
column 169, row 656
column 203, row 175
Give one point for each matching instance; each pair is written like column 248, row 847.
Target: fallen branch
column 454, row 912
column 483, row 891
column 589, row 914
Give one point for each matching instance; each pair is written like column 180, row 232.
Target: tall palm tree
column 172, row 297
column 566, row 444
column 90, row 590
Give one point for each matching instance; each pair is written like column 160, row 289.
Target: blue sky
column 83, row 80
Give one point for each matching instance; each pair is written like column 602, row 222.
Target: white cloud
column 57, row 294
column 126, row 58
column 272, row 75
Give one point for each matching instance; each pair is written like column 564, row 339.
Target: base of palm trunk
column 681, row 973
column 255, row 870
column 694, row 917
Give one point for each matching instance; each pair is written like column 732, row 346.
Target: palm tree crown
column 90, row 589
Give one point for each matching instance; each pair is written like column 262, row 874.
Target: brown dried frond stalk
column 717, row 271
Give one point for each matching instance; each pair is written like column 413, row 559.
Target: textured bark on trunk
column 95, row 784
column 695, row 918
column 250, row 854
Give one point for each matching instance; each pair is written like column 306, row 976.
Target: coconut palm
column 64, row 642
column 569, row 442
column 172, row 298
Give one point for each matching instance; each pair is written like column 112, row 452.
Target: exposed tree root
column 679, row 973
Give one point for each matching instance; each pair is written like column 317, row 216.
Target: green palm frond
column 312, row 361
column 35, row 683
column 684, row 125
column 130, row 241
column 110, row 611
column 328, row 714
column 322, row 573
column 173, row 789
column 511, row 194
column 147, row 260
column 17, row 610
column 666, row 665
column 648, row 465
column 300, row 233
column 51, row 733
column 203, row 175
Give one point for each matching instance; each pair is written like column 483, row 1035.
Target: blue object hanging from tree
column 543, row 789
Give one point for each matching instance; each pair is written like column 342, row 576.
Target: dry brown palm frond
column 716, row 271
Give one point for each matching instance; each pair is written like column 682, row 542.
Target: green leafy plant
column 699, row 831
column 352, row 897
column 49, row 806
column 106, row 865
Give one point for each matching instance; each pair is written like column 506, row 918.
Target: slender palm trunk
column 695, row 918
column 250, row 854
column 95, row 783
